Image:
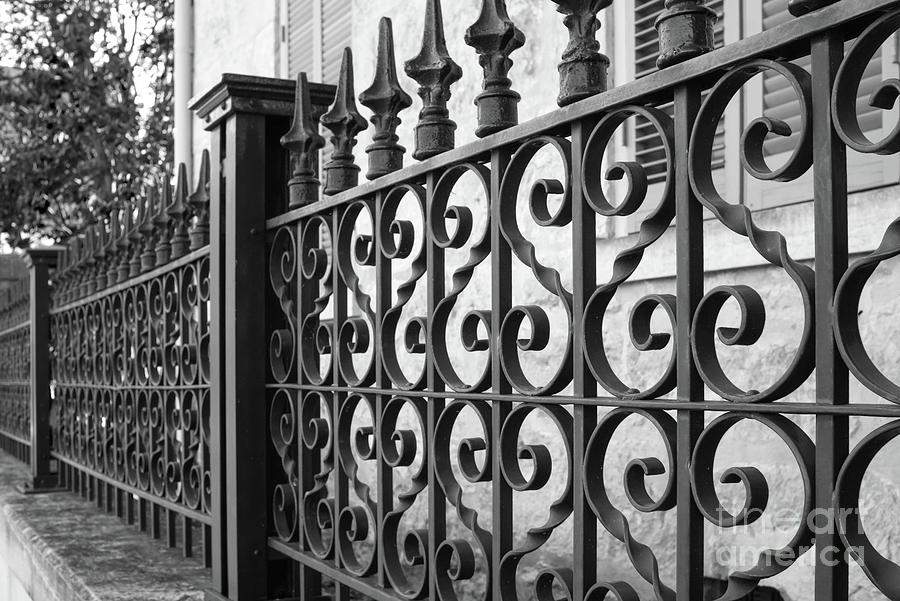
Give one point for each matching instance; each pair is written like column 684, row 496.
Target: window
column 772, row 95
column 315, row 36
column 769, row 94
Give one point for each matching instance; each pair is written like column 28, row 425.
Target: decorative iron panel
column 131, row 373
column 380, row 436
column 15, row 370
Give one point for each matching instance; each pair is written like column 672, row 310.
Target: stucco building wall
column 239, row 40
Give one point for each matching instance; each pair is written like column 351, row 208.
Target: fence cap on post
column 252, row 94
column 47, row 255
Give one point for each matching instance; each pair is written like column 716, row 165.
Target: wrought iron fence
column 131, row 372
column 317, row 386
column 365, row 389
column 15, row 371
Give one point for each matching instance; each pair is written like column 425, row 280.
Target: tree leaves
column 85, row 109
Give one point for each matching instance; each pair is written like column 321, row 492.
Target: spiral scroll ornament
column 356, row 333
column 317, row 434
column 771, row 245
column 283, row 432
column 398, row 449
column 455, row 559
column 316, row 334
column 549, row 278
column 651, row 229
column 282, row 267
column 440, row 212
column 884, row 573
column 636, row 472
column 397, row 241
column 512, row 454
column 354, row 520
column 770, row 562
column 846, row 121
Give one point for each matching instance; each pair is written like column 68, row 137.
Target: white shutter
column 780, row 102
column 337, row 33
column 300, row 37
column 648, row 145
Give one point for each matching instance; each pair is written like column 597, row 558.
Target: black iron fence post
column 246, row 117
column 44, row 475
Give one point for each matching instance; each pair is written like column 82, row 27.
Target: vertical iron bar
column 584, row 271
column 689, row 291
column 216, row 358
column 384, row 479
column 310, row 581
column 501, row 301
column 40, row 262
column 187, row 536
column 341, row 484
column 437, row 502
column 832, row 387
column 243, row 369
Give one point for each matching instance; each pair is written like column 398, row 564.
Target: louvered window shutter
column 337, row 31
column 780, row 102
column 300, row 37
column 648, row 149
column 648, row 145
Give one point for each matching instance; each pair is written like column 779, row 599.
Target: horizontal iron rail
column 15, row 328
column 161, row 501
column 139, row 279
column 130, row 387
column 367, row 586
column 860, row 409
column 771, row 42
column 18, row 439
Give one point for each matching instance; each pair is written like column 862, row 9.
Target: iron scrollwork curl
column 356, row 333
column 398, row 449
column 440, row 212
column 317, row 436
column 355, row 520
column 771, row 245
column 642, row 557
column 884, row 573
column 847, row 83
column 511, row 455
column 282, row 267
column 652, row 227
column 397, row 240
column 454, row 560
column 283, row 431
column 317, row 336
column 846, row 121
column 549, row 278
column 770, row 562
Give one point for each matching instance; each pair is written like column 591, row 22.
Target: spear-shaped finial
column 583, row 70
column 124, row 242
column 802, row 7
column 112, row 249
column 136, row 236
column 494, row 37
column 199, row 201
column 685, row 30
column 344, row 122
column 161, row 219
column 179, row 215
column 435, row 72
column 303, row 141
column 385, row 98
column 147, row 228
